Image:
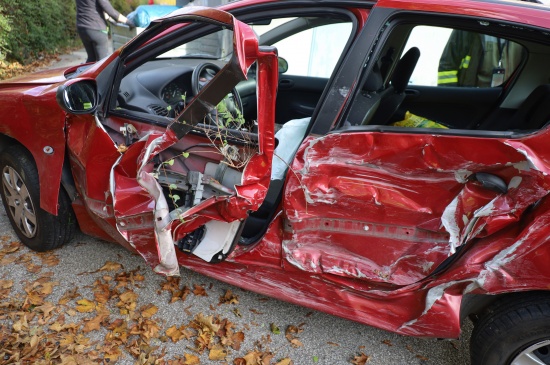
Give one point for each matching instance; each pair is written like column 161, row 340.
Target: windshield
column 217, row 45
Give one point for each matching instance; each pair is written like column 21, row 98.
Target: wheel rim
column 537, row 354
column 19, row 202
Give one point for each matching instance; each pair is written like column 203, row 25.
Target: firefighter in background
column 477, row 60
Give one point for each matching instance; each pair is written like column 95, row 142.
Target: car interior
column 397, row 85
column 157, row 89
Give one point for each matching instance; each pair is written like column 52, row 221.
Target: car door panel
column 390, row 208
column 136, row 181
column 298, row 96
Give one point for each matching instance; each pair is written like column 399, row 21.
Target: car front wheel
column 36, row 228
column 513, row 331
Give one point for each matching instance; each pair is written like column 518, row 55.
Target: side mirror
column 283, row 65
column 79, row 97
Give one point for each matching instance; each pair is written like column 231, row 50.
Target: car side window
column 310, row 52
column 453, row 57
column 314, row 52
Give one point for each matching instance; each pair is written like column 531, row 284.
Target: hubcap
column 19, row 202
column 538, row 354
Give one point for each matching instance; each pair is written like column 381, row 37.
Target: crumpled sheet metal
column 390, row 208
column 136, row 165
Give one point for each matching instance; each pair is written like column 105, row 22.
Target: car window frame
column 385, row 20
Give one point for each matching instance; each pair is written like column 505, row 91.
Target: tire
column 36, row 228
column 513, row 331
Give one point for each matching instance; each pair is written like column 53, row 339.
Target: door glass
column 453, row 57
column 309, row 52
column 314, row 52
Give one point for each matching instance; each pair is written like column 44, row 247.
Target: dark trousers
column 96, row 43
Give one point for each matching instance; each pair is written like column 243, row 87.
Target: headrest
column 404, row 69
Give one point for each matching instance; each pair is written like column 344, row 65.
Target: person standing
column 477, row 60
column 92, row 26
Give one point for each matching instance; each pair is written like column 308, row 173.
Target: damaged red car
column 322, row 152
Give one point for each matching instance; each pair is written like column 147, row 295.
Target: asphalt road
column 324, row 339
column 329, row 340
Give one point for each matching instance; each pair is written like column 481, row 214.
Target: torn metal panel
column 134, row 184
column 347, row 183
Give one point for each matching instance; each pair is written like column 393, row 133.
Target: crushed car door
column 388, row 206
column 156, row 207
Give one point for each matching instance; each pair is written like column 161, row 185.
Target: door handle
column 286, row 84
column 491, row 182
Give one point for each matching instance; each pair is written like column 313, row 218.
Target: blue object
column 143, row 14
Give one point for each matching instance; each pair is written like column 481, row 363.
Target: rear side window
column 452, row 57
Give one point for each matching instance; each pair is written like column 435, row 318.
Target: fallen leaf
column 296, row 343
column 85, row 306
column 229, row 298
column 274, row 329
column 149, row 311
column 191, row 360
column 362, row 359
column 111, row 266
column 207, row 322
column 285, row 361
column 175, row 333
column 94, row 324
column 217, row 353
column 387, row 343
column 199, row 291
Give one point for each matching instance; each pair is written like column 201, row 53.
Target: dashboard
column 158, row 86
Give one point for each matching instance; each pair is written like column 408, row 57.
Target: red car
column 327, row 153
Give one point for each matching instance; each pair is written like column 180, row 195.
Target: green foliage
column 5, row 29
column 126, row 6
column 37, row 27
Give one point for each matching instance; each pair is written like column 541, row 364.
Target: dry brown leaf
column 285, row 361
column 253, row 358
column 94, row 324
column 175, row 333
column 229, row 298
column 191, row 360
column 149, row 311
column 387, row 343
column 199, row 290
column 296, row 343
column 111, row 266
column 5, row 288
column 47, row 288
column 10, row 248
column 217, row 353
column 207, row 322
column 48, row 258
column 85, row 306
column 69, row 295
column 362, row 359
column 237, row 339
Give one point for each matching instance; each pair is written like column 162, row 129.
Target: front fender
column 40, row 128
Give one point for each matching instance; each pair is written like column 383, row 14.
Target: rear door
column 392, row 203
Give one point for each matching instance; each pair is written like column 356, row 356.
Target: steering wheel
column 202, row 75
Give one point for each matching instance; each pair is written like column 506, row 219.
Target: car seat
column 393, row 95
